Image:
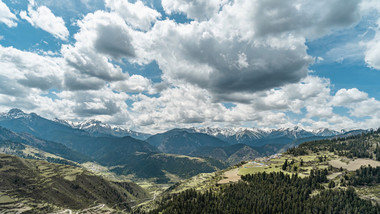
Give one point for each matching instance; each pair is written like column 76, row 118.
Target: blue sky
column 155, row 65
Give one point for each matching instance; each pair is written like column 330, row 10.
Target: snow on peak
column 64, row 122
column 296, row 132
column 15, row 113
column 324, row 132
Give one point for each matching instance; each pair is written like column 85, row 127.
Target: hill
column 26, row 144
column 169, row 168
column 230, row 154
column 75, row 139
column 39, row 186
column 338, row 175
column 180, row 141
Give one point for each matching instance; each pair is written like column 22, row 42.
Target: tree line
column 269, row 193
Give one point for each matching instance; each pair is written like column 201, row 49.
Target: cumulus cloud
column 366, row 108
column 244, row 46
column 194, row 9
column 135, row 83
column 305, row 17
column 77, row 82
column 102, row 37
column 248, row 52
column 373, row 50
column 182, row 105
column 30, row 70
column 345, row 97
column 102, row 104
column 6, row 16
column 226, row 65
column 138, row 15
column 190, row 105
column 372, row 46
column 43, row 18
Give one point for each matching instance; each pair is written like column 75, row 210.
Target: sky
column 153, row 65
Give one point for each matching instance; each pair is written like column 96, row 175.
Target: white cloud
column 243, row 46
column 366, row 108
column 217, row 64
column 175, row 107
column 194, row 9
column 189, row 105
column 372, row 46
column 28, row 72
column 247, row 52
column 135, row 83
column 6, row 16
column 43, row 18
column 373, row 50
column 350, row 51
column 102, row 104
column 136, row 14
column 345, row 97
column 308, row 18
column 102, row 37
column 368, row 5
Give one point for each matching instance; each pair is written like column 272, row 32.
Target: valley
column 189, row 107
column 141, row 175
column 305, row 162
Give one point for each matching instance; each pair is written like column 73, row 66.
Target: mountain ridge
column 126, row 152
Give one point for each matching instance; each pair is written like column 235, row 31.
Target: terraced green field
column 40, row 186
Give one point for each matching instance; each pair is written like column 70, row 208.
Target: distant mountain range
column 233, row 145
column 180, row 141
column 144, row 155
column 249, row 136
column 98, row 129
column 260, row 137
column 130, row 155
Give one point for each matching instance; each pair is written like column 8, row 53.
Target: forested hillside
column 340, row 175
column 365, row 145
column 270, row 193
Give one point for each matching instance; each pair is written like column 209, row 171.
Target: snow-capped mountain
column 14, row 114
column 97, row 129
column 256, row 136
column 64, row 122
column 249, row 136
column 326, row 132
column 259, row 133
column 227, row 132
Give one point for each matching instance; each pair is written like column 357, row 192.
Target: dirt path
column 354, row 165
column 230, row 176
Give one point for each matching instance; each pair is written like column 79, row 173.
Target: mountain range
column 98, row 129
column 163, row 158
column 260, row 137
column 113, row 145
column 128, row 152
column 126, row 155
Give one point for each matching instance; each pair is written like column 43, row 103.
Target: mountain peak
column 15, row 111
column 91, row 122
column 14, row 114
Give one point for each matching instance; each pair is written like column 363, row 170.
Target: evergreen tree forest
column 365, row 176
column 269, row 193
column 364, row 145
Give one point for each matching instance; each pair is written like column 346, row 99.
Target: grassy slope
column 34, row 184
column 322, row 158
column 169, row 167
